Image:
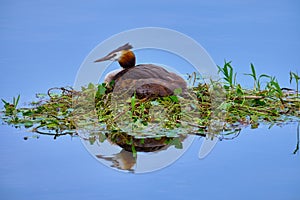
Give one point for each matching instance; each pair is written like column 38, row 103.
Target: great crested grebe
column 146, row 80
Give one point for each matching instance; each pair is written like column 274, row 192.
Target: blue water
column 43, row 43
column 258, row 164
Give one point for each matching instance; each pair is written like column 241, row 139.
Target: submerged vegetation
column 220, row 107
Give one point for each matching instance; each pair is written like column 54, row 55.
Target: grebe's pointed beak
column 115, row 54
column 108, row 57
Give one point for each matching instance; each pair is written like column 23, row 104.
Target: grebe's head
column 123, row 55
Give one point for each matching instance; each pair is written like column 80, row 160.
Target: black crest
column 126, row 46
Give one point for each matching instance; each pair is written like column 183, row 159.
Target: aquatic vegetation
column 205, row 108
column 257, row 83
column 296, row 77
column 228, row 75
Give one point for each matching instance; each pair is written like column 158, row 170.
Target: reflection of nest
column 130, row 143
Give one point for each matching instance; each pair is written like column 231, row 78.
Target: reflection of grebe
column 123, row 160
column 156, row 81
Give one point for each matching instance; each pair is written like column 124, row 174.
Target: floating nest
column 63, row 111
column 134, row 144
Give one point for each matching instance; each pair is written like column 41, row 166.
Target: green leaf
column 264, row 75
column 52, row 125
column 239, row 90
column 174, row 98
column 253, row 71
column 27, row 113
column 111, row 84
column 278, row 89
column 254, row 118
column 91, row 86
column 17, row 101
column 101, row 90
column 28, row 124
column 5, row 102
column 41, row 95
column 134, row 153
column 250, row 75
column 177, row 91
column 102, row 137
column 133, row 103
column 92, row 140
column 177, row 143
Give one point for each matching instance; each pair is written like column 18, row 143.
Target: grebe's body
column 147, row 80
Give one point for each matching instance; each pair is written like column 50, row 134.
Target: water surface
column 258, row 164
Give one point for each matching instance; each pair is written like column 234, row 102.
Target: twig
column 297, row 146
column 191, row 124
column 250, row 97
column 119, row 115
column 65, row 91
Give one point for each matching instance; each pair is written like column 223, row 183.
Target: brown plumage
column 127, row 59
column 145, row 80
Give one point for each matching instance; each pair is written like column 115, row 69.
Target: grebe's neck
column 127, row 59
